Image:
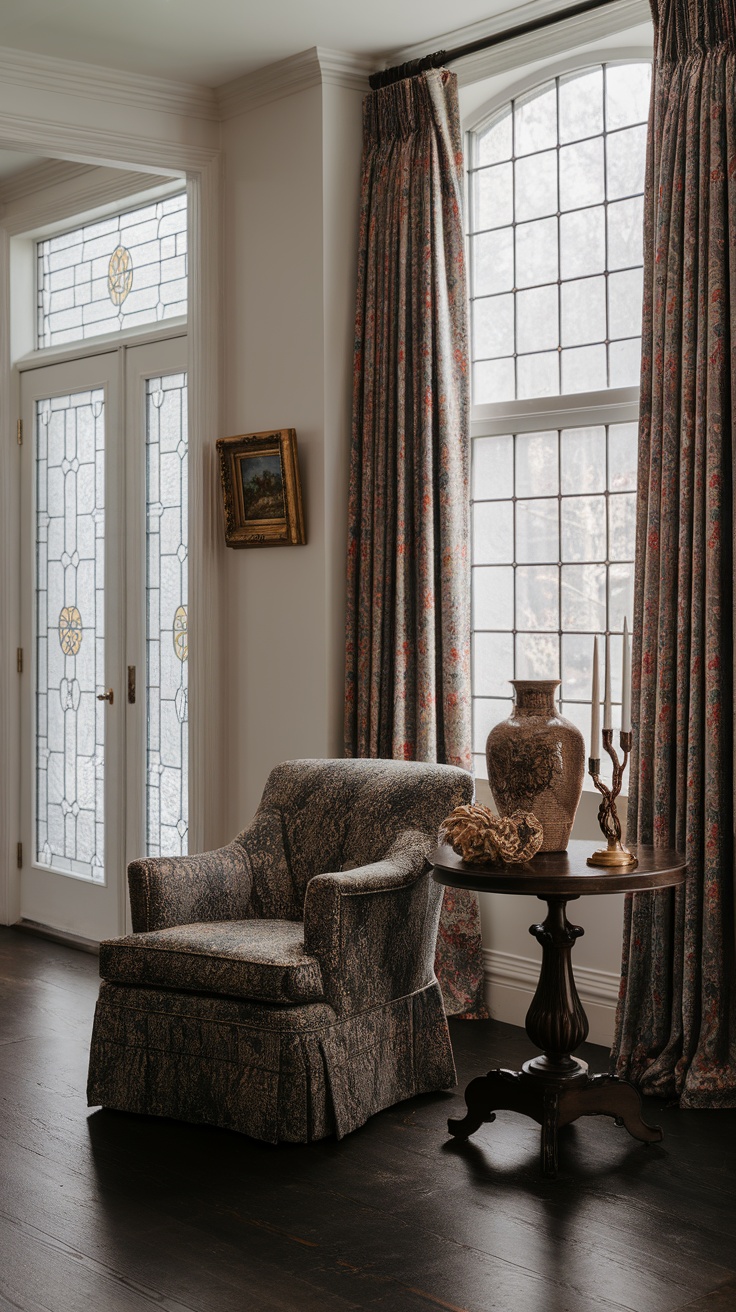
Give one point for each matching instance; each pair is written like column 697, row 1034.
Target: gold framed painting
column 261, row 489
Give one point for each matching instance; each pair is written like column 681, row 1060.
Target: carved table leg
column 556, row 1021
column 606, row 1095
column 477, row 1097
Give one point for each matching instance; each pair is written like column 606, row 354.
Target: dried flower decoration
column 476, row 834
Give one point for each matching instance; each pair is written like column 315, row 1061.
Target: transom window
column 555, row 208
column 123, row 271
column 556, row 186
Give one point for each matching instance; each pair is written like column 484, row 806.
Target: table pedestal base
column 554, row 1088
column 553, row 1103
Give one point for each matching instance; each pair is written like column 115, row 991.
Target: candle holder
column 615, row 854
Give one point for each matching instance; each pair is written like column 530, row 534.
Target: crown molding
column 346, row 70
column 101, row 146
column 557, row 39
column 91, row 81
column 38, row 177
column 309, row 68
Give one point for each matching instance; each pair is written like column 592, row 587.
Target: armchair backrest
column 324, row 816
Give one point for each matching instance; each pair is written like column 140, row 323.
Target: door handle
column 106, row 696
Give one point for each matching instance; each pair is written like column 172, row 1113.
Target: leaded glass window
column 555, row 192
column 553, row 538
column 167, row 646
column 114, row 273
column 70, row 633
column 555, row 243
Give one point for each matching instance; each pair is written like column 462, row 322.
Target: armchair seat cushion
column 262, row 960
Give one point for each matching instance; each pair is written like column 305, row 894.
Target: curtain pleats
column 676, row 1023
column 408, row 590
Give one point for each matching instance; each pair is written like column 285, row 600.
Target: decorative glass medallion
column 70, row 630
column 120, row 275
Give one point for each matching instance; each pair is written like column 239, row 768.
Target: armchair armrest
column 374, row 929
column 181, row 890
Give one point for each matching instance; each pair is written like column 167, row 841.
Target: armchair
column 284, row 985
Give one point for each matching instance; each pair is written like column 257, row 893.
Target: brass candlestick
column 615, row 854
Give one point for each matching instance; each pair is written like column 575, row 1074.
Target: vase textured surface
column 536, row 761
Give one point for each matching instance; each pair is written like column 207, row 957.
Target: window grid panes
column 553, row 517
column 119, row 272
column 70, row 634
column 167, row 643
column 555, row 206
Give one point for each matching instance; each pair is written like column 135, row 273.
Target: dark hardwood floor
column 103, row 1212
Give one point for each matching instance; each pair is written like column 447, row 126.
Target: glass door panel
column 167, row 647
column 70, row 633
column 157, row 572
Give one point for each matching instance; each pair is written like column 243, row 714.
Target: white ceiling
column 210, row 43
column 12, row 161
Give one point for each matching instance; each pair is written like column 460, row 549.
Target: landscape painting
column 263, row 487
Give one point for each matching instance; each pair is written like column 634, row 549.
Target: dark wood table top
column 560, row 873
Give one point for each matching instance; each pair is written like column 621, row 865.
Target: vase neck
column 535, row 696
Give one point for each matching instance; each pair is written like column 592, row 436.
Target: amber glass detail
column 181, row 641
column 120, row 274
column 70, row 630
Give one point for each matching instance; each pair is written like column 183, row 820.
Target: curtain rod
column 386, row 76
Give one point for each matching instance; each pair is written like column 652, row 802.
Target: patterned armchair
column 284, row 985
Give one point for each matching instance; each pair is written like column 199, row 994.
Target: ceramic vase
column 536, row 761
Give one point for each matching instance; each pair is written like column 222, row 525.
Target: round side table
column 555, row 1087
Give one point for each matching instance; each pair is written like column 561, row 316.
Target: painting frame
column 261, row 489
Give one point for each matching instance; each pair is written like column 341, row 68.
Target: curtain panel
column 676, row 1030
column 408, row 589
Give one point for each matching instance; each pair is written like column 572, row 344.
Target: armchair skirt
column 277, row 1073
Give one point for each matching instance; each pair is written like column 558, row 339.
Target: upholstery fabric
column 297, row 1025
column 259, row 959
column 676, row 1028
column 168, row 891
column 407, row 685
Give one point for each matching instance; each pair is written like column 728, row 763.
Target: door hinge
column 20, row 856
column 19, row 660
column 19, row 432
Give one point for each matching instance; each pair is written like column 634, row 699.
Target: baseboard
column 57, row 936
column 511, row 981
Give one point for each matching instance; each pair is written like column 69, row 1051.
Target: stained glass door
column 105, row 589
column 72, row 564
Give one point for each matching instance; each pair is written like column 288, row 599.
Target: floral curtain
column 676, row 1027
column 408, row 606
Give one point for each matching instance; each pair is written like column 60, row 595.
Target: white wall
column 290, row 242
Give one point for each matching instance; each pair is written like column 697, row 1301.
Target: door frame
column 201, row 167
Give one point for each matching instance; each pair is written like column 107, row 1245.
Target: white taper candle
column 607, row 712
column 595, row 709
column 626, row 682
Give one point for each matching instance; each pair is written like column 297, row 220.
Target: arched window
column 556, row 179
